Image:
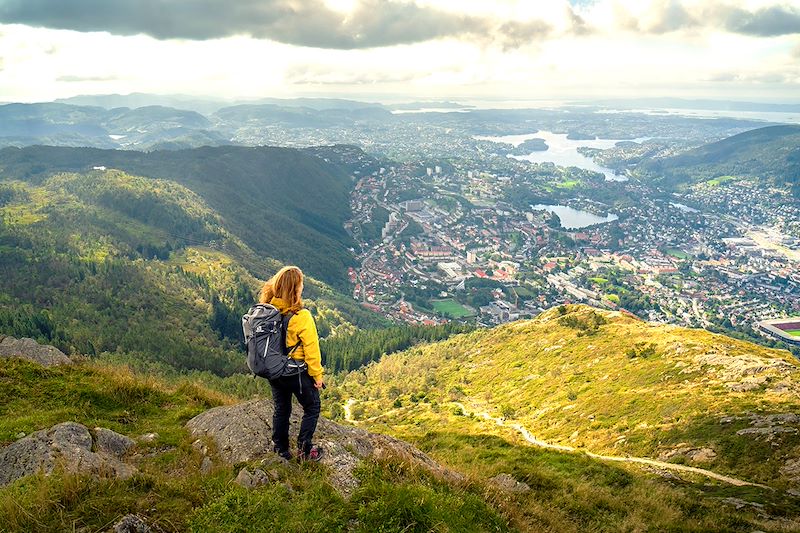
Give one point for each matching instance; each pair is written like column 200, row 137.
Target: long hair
column 287, row 285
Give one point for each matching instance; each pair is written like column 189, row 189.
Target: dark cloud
column 374, row 23
column 766, row 22
column 517, row 34
column 672, row 15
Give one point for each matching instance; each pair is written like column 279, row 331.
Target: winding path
column 640, row 460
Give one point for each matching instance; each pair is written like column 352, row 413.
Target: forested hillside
column 772, row 153
column 281, row 202
column 136, row 268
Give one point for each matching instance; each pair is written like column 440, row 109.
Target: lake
column 562, row 151
column 572, row 218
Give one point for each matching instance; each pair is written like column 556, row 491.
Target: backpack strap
column 286, row 318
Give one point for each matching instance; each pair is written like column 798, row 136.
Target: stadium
column 785, row 329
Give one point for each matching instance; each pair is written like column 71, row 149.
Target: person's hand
column 318, row 383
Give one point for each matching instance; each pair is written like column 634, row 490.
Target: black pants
column 308, row 396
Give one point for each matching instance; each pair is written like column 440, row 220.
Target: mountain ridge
column 771, row 153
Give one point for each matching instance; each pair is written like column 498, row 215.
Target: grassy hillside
column 601, row 382
column 144, row 269
column 281, row 202
column 772, row 153
column 171, row 492
column 567, row 492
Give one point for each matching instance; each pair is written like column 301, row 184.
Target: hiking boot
column 284, row 454
column 314, row 454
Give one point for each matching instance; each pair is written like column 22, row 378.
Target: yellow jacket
column 303, row 329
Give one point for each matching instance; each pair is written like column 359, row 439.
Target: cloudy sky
column 390, row 49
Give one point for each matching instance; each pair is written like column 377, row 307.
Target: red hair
column 287, row 285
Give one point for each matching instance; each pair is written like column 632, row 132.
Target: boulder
column 243, row 433
column 507, row 483
column 696, row 455
column 67, row 444
column 33, row 351
column 112, row 443
column 131, row 524
column 257, row 478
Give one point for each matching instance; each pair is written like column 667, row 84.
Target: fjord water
column 572, row 218
column 562, row 151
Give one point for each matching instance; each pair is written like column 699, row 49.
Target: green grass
column 679, row 254
column 793, row 332
column 450, row 308
column 171, row 494
column 570, row 184
column 622, row 387
column 721, row 180
column 570, row 492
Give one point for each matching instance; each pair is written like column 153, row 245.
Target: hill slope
column 141, row 268
column 175, row 481
column 602, row 382
column 772, row 153
column 281, row 202
column 180, row 441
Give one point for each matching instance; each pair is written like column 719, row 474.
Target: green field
column 680, row 254
column 793, row 332
column 721, row 180
column 451, row 308
column 524, row 292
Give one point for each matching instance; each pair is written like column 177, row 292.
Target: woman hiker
column 284, row 291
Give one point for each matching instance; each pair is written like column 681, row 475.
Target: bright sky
column 382, row 49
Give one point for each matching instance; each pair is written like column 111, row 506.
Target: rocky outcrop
column 506, row 482
column 696, row 455
column 69, row 445
column 255, row 479
column 132, row 524
column 32, row 351
column 242, row 433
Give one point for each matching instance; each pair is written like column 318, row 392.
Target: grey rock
column 791, row 469
column 739, row 503
column 769, row 430
column 31, row 350
column 68, row 444
column 132, row 524
column 507, row 483
column 206, row 466
column 242, row 433
column 248, row 480
column 697, row 455
column 147, row 438
column 112, row 443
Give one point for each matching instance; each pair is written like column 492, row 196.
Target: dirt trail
column 640, row 460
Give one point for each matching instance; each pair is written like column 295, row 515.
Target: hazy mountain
column 682, row 103
column 279, row 201
column 135, row 100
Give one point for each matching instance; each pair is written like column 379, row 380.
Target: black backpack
column 268, row 356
